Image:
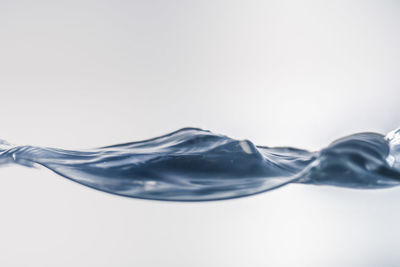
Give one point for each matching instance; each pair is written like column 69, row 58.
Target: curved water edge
column 192, row 164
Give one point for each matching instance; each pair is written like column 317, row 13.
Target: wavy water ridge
column 192, row 164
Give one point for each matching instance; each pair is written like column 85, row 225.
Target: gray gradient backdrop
column 78, row 74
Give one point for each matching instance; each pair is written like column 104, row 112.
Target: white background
column 79, row 74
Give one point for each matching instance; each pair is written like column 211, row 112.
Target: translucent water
column 197, row 165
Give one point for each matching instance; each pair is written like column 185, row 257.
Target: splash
column 197, row 165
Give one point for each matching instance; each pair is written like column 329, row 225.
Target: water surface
column 192, row 164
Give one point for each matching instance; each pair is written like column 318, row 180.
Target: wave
column 192, row 164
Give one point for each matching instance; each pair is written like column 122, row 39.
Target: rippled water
column 196, row 165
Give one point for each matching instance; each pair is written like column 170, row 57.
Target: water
column 197, row 165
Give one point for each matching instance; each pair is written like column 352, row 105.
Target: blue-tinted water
column 196, row 165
